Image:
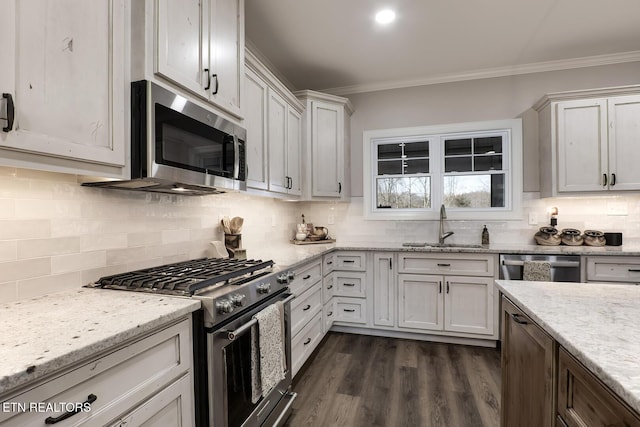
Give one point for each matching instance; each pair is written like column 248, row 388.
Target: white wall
column 55, row 234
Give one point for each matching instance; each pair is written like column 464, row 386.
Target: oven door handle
column 236, row 157
column 232, row 335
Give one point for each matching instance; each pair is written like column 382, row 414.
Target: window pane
column 417, row 149
column 389, row 151
column 474, row 191
column 488, row 145
column 457, row 147
column 487, row 163
column 390, row 167
column 416, row 166
column 404, row 193
column 457, row 164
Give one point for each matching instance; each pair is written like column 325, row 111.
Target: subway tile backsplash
column 56, row 234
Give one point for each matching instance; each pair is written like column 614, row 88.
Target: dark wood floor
column 358, row 381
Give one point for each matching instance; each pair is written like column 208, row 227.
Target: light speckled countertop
column 44, row 334
column 288, row 255
column 597, row 323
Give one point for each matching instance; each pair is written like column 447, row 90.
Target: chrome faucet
column 443, row 235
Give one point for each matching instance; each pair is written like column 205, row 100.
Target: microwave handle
column 236, row 157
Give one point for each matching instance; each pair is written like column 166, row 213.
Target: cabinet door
column 173, row 406
column 255, row 121
column 182, row 51
column 276, row 136
column 70, row 78
column 327, row 139
column 527, row 371
column 226, row 46
column 468, row 305
column 624, row 142
column 421, row 305
column 384, row 290
column 582, row 145
column 294, row 138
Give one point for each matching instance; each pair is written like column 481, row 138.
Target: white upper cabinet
column 200, row 46
column 326, row 145
column 274, row 132
column 67, row 71
column 589, row 141
column 255, row 121
column 283, row 136
column 624, row 142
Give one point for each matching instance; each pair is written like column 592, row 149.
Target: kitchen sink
column 440, row 245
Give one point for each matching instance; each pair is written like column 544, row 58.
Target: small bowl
column 301, row 236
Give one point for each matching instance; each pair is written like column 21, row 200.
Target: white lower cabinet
column 446, row 303
column 307, row 326
column 304, row 342
column 350, row 310
column 149, row 379
column 613, row 269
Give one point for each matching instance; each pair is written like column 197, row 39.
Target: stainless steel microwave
column 179, row 147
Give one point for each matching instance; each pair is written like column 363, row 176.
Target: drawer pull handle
column 308, row 276
column 517, row 319
column 613, row 179
column 348, row 261
column 634, row 270
column 307, row 341
column 440, row 287
column 329, row 262
column 53, row 420
column 306, row 308
column 349, row 310
column 330, row 287
column 349, row 284
column 329, row 314
column 604, row 179
column 444, row 265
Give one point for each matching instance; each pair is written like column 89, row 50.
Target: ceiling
column 336, row 46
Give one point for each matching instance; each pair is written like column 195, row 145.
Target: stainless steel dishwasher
column 564, row 268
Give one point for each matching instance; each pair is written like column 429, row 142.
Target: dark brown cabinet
column 584, row 401
column 528, row 371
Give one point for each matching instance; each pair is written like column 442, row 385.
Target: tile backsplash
column 56, row 234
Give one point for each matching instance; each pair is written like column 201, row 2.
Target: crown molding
column 249, row 45
column 537, row 67
column 587, row 93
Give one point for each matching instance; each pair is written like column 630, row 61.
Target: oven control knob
column 283, row 278
column 224, row 306
column 263, row 288
column 238, row 299
column 291, row 275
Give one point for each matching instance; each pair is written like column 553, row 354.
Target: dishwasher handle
column 569, row 264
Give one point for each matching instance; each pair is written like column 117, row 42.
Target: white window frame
column 512, row 166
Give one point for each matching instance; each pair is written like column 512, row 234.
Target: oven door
column 229, row 363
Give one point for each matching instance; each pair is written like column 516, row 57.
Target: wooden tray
column 312, row 242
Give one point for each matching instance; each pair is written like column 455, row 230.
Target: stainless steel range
column 232, row 292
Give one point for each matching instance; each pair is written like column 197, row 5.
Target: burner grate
column 184, row 277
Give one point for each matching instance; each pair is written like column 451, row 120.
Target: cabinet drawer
column 613, row 269
column 328, row 288
column 304, row 307
column 350, row 310
column 347, row 284
column 584, row 401
column 119, row 380
column 328, row 263
column 350, row 261
column 328, row 316
column 459, row 264
column 303, row 344
column 305, row 276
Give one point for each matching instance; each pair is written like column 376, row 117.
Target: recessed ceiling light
column 385, row 16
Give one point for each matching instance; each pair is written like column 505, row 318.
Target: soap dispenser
column 485, row 236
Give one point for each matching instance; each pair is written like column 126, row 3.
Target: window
column 467, row 167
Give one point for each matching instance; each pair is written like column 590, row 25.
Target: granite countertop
column 44, row 334
column 597, row 323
